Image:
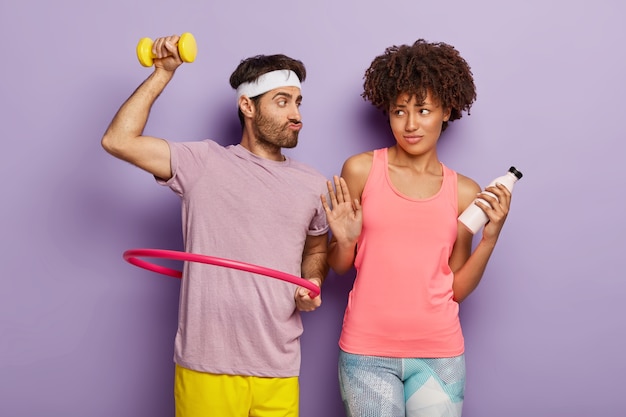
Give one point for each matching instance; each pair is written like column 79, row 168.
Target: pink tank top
column 401, row 304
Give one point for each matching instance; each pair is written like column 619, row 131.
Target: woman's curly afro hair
column 417, row 69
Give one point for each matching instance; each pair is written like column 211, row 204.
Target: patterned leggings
column 373, row 386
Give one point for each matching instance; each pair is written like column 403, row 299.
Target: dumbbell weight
column 187, row 49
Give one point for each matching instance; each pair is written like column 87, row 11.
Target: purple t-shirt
column 239, row 206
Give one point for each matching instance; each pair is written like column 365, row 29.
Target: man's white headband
column 268, row 81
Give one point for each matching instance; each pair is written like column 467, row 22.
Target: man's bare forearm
column 130, row 120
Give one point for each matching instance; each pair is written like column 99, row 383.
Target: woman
column 393, row 214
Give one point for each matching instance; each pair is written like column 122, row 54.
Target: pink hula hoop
column 132, row 256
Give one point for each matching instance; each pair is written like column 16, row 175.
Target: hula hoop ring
column 133, row 256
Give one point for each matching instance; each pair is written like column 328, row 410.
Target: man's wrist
column 317, row 280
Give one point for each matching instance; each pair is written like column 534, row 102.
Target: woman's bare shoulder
column 358, row 164
column 467, row 190
column 355, row 171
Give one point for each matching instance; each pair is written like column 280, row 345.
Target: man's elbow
column 113, row 145
column 108, row 143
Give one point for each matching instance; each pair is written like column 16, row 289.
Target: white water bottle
column 473, row 217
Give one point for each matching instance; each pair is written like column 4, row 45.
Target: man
column 237, row 348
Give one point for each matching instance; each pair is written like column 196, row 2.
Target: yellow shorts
column 200, row 394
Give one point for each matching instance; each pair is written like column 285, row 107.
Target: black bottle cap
column 515, row 172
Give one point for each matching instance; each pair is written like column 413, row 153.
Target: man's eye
column 424, row 111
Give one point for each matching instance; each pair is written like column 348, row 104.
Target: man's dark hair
column 252, row 68
column 423, row 67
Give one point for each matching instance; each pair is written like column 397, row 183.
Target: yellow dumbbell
column 187, row 49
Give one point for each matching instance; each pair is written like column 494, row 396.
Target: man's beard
column 271, row 134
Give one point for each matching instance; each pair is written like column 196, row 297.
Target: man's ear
column 246, row 105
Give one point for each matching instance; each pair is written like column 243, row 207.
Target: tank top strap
column 449, row 186
column 377, row 177
column 380, row 161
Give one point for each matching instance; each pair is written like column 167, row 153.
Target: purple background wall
column 82, row 333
